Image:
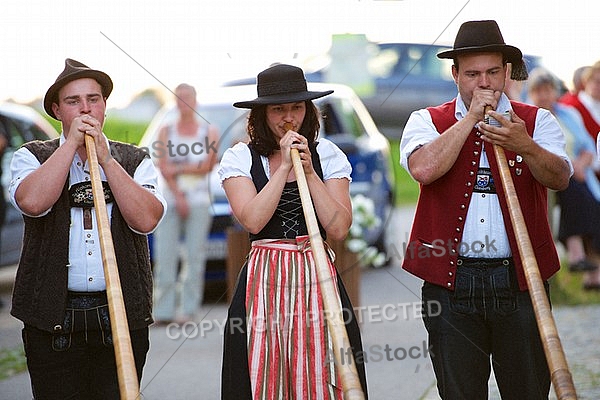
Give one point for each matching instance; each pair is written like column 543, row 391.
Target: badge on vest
column 484, row 182
column 82, row 196
column 518, row 159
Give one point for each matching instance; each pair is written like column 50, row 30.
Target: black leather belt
column 86, row 300
column 484, row 262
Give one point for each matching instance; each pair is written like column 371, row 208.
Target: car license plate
column 216, row 249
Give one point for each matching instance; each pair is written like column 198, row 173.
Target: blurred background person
column 185, row 159
column 579, row 229
column 577, row 85
column 587, row 101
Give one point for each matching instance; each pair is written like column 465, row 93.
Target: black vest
column 40, row 291
column 288, row 220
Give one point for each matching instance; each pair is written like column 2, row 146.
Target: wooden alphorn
column 555, row 357
column 333, row 312
column 126, row 371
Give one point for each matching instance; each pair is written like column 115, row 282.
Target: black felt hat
column 281, row 84
column 485, row 36
column 75, row 70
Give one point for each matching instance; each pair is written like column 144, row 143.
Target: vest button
column 457, row 229
column 449, row 284
column 475, row 153
column 466, row 195
column 473, row 163
column 471, row 173
column 57, row 328
column 450, row 273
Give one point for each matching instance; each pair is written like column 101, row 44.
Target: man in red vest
column 462, row 243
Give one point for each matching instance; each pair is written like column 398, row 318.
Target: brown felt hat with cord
column 75, row 70
column 279, row 84
column 485, row 36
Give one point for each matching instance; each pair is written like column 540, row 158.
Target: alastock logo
column 160, row 149
column 378, row 353
column 421, row 249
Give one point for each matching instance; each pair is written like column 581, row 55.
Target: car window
column 21, row 131
column 18, row 133
column 341, row 118
column 399, row 60
column 231, row 123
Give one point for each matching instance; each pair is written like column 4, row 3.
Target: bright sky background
column 144, row 44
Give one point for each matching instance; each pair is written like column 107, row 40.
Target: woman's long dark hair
column 262, row 138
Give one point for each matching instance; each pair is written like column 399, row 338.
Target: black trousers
column 80, row 362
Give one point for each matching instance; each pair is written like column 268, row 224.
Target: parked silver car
column 23, row 124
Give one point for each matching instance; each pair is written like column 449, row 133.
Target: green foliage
column 115, row 129
column 12, row 362
column 124, row 131
column 566, row 288
column 407, row 189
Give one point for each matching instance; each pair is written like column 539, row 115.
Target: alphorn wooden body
column 332, row 308
column 555, row 357
column 126, row 371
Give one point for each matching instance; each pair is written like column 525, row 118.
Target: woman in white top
column 184, row 162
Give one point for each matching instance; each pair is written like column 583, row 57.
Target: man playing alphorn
column 60, row 290
column 465, row 247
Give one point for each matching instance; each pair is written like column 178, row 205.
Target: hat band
column 269, row 89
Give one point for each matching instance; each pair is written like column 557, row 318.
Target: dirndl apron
column 288, row 346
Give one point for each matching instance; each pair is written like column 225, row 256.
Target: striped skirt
column 289, row 350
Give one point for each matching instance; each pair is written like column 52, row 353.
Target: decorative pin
column 519, row 158
column 518, row 171
column 511, row 163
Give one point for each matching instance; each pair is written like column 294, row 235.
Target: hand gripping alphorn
column 555, row 357
column 126, row 371
column 341, row 345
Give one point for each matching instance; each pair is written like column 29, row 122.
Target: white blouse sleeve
column 236, row 161
column 334, row 162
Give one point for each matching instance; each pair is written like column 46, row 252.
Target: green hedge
column 117, row 129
